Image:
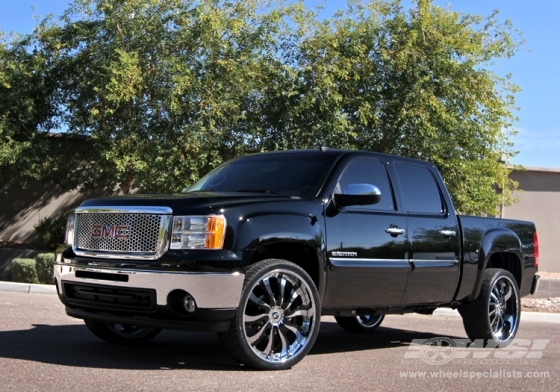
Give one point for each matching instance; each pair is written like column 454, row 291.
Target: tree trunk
column 126, row 186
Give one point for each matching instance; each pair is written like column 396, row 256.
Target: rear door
column 433, row 232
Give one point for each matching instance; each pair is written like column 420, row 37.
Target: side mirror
column 358, row 195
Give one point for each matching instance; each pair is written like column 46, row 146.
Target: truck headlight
column 198, row 232
column 69, row 237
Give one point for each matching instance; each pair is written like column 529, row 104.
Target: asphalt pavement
column 42, row 349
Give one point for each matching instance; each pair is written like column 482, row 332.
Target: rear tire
column 367, row 323
column 121, row 333
column 495, row 314
column 278, row 317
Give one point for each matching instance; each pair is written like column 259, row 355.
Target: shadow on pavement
column 74, row 345
column 333, row 339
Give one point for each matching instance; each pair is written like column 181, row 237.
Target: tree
column 164, row 90
column 160, row 88
column 25, row 106
column 413, row 83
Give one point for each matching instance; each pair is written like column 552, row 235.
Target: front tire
column 367, row 323
column 495, row 314
column 278, row 317
column 121, row 333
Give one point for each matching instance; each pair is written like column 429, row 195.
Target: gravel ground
column 549, row 275
column 547, row 305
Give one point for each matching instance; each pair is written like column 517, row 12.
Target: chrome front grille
column 123, row 233
column 118, row 232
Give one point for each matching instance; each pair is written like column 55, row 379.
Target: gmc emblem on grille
column 109, row 231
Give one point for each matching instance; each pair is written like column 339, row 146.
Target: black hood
column 179, row 202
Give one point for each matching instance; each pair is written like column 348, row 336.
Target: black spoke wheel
column 495, row 314
column 363, row 323
column 122, row 333
column 278, row 318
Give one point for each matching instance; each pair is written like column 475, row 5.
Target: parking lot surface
column 42, row 349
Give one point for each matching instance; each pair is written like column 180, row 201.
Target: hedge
column 37, row 270
column 44, row 264
column 24, row 270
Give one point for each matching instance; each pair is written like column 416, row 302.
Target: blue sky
column 534, row 67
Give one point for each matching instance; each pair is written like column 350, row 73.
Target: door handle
column 394, row 231
column 448, row 233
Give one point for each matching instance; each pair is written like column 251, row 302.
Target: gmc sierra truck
column 264, row 245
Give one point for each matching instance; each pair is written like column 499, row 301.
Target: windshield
column 299, row 175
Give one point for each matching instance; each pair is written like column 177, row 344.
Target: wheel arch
column 304, row 254
column 499, row 248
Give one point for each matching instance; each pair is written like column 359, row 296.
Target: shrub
column 24, row 270
column 51, row 230
column 44, row 264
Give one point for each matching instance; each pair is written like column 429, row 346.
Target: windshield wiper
column 268, row 191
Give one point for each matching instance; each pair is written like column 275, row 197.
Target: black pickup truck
column 265, row 244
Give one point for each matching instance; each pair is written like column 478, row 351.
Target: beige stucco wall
column 21, row 209
column 539, row 201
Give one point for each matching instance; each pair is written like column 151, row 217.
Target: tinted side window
column 369, row 171
column 420, row 190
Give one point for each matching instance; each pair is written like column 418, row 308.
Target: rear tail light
column 536, row 249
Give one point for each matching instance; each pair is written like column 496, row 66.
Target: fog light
column 189, row 304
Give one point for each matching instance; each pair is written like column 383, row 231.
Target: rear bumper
column 535, row 285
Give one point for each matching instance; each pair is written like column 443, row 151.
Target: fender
column 279, row 227
column 496, row 240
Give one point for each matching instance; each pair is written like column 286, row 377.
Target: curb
column 525, row 316
column 28, row 288
column 547, row 288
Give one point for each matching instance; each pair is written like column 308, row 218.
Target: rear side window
column 420, row 190
column 368, row 171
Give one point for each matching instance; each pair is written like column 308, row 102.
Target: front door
column 366, row 245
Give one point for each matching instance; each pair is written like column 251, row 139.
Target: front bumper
column 210, row 290
column 147, row 297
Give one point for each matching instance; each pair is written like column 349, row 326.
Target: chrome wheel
column 369, row 320
column 278, row 319
column 363, row 323
column 495, row 314
column 503, row 309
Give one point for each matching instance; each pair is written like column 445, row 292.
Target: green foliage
column 164, row 90
column 44, row 263
column 414, row 84
column 159, row 87
column 23, row 270
column 51, row 230
column 37, row 270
